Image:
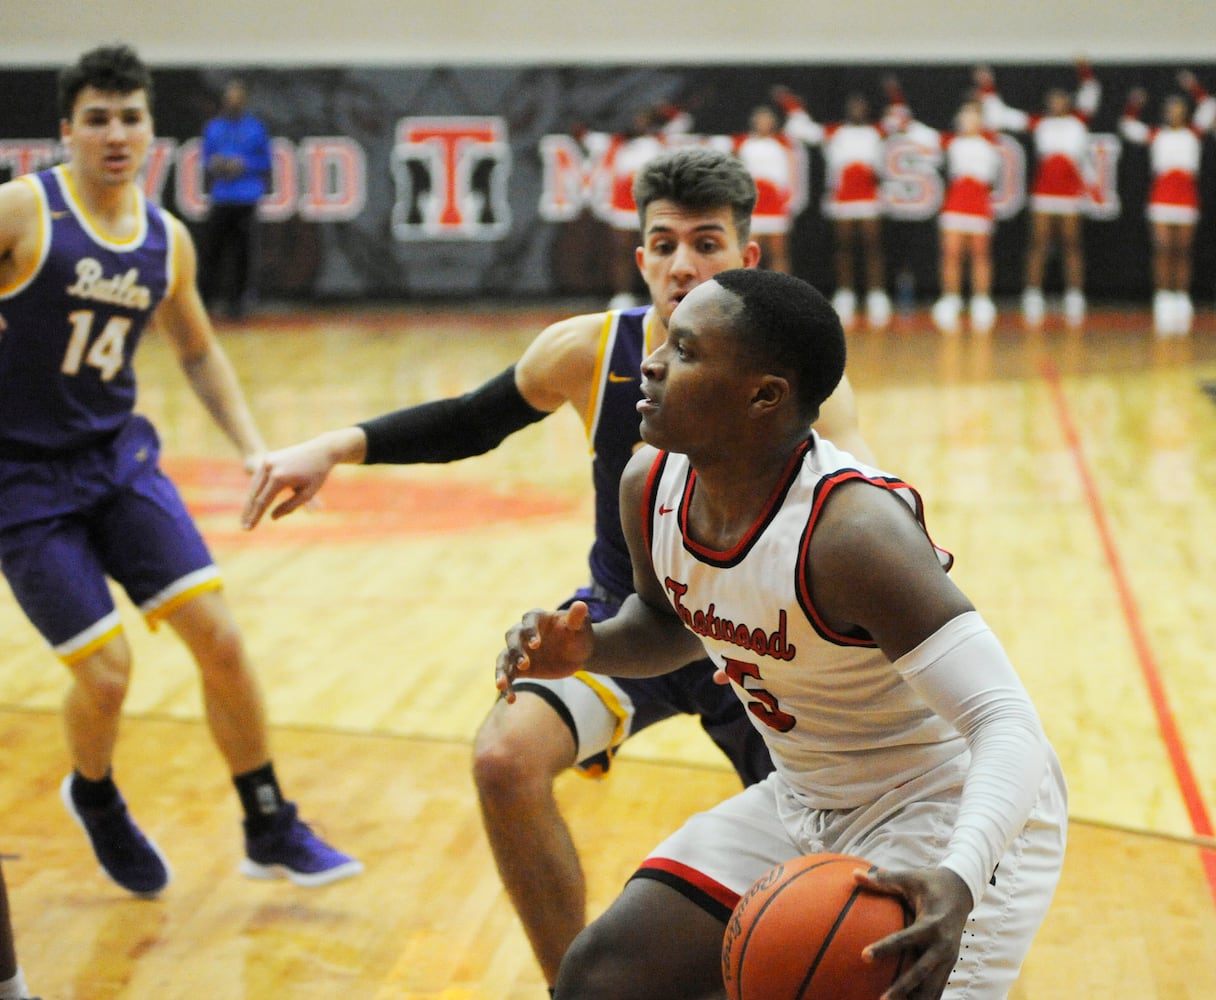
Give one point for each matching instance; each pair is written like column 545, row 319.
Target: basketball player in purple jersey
column 85, row 264
column 695, row 207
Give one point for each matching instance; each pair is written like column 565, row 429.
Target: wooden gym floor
column 1072, row 473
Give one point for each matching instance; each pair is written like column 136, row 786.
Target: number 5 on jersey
column 761, row 703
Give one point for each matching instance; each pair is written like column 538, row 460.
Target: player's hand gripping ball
column 798, row 934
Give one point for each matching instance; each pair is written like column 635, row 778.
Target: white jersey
column 1064, row 135
column 1061, row 135
column 844, row 144
column 973, row 156
column 842, row 725
column 1169, row 148
column 767, row 158
column 778, row 166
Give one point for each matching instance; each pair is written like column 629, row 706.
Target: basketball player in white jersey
column 695, row 206
column 899, row 729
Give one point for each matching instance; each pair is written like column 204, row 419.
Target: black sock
column 260, row 795
column 93, row 794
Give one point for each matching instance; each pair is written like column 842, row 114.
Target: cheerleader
column 1173, row 201
column 853, row 151
column 972, row 163
column 770, row 157
column 1061, row 139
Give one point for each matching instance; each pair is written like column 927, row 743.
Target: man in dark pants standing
column 236, row 154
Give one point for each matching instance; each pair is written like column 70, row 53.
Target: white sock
column 15, row 988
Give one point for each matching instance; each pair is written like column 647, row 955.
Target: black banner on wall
column 452, row 182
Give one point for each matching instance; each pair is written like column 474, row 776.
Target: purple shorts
column 69, row 522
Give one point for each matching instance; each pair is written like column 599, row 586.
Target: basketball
column 798, row 934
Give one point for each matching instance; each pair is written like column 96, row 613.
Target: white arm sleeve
column 963, row 673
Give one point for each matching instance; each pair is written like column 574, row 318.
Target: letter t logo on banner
column 451, row 176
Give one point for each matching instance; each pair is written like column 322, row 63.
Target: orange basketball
column 798, row 933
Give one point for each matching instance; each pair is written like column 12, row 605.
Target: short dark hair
column 112, row 69
column 787, row 326
column 698, row 177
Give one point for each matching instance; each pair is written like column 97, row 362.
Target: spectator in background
column 853, row 151
column 236, row 157
column 1173, row 202
column 1057, row 196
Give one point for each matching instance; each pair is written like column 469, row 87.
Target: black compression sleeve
column 450, row 429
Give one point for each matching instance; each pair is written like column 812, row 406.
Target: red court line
column 1184, row 773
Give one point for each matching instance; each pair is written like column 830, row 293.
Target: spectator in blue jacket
column 236, row 155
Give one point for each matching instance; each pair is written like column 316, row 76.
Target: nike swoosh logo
column 665, row 510
column 614, row 377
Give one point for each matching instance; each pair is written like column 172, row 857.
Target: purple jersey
column 614, row 427
column 71, row 327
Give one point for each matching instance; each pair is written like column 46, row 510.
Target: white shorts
column 770, row 225
column 961, row 222
column 718, row 854
column 1056, row 204
column 852, row 209
column 1174, row 215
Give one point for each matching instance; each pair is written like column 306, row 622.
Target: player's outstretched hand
column 302, row 469
column 544, row 644
column 941, row 904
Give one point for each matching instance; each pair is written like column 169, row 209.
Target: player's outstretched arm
column 556, row 368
